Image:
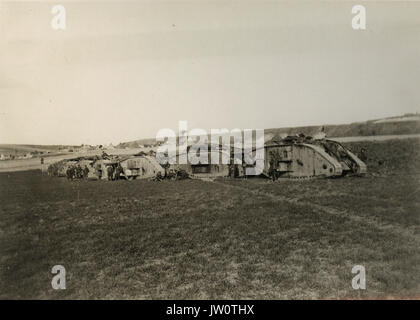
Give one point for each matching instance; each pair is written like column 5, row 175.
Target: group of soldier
column 114, row 172
column 171, row 174
column 77, row 172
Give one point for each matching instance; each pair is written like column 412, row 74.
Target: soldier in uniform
column 79, row 172
column 118, row 172
column 70, row 173
column 363, row 155
column 110, row 171
column 272, row 172
column 244, row 169
column 85, row 172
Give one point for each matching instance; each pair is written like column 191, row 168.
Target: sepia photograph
column 203, row 150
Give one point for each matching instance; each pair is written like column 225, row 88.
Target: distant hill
column 18, row 149
column 398, row 125
column 137, row 143
column 406, row 124
column 22, row 149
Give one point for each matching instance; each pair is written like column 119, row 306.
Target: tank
column 305, row 157
column 141, row 167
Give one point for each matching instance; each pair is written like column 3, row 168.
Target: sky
column 123, row 70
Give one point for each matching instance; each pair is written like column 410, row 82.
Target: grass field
column 223, row 239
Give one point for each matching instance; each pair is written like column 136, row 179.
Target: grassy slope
column 367, row 128
column 223, row 239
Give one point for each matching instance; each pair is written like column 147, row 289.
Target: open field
column 223, row 239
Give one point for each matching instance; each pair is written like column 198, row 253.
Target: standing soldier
column 230, row 170
column 118, row 172
column 68, row 173
column 272, row 171
column 85, row 172
column 110, row 172
column 165, row 166
column 79, row 172
column 244, row 168
column 235, row 170
column 363, row 155
column 98, row 170
column 42, row 166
